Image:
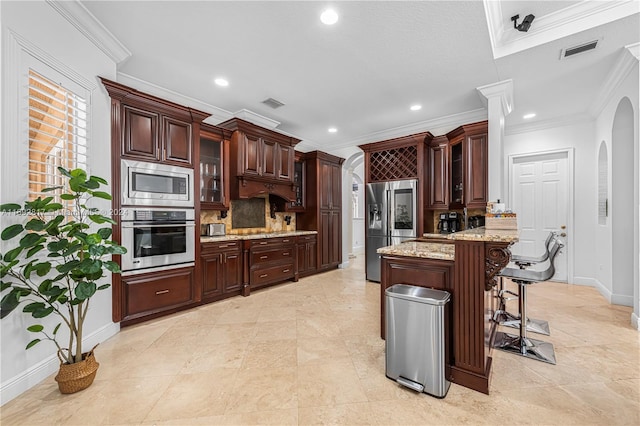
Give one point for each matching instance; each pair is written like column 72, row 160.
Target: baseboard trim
column 621, row 299
column 585, row 281
column 604, row 291
column 45, row 368
column 635, row 321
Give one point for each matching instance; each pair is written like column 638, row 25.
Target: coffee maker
column 443, row 224
column 454, row 222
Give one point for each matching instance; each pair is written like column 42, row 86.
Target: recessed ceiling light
column 416, row 107
column 221, row 82
column 528, row 116
column 329, row 17
column 332, row 130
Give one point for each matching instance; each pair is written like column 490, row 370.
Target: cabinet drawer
column 263, row 256
column 306, row 238
column 220, row 245
column 272, row 274
column 158, row 292
column 267, row 242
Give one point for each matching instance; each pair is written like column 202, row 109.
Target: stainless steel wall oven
column 157, row 238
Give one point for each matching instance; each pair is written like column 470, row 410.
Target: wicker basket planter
column 75, row 377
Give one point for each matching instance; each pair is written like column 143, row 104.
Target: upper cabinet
column 152, row 129
column 261, row 159
column 299, row 173
column 214, row 168
column 438, row 164
column 468, row 182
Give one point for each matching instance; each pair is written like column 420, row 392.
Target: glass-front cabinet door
column 298, row 204
column 213, row 191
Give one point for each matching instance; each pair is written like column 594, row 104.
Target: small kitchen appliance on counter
column 212, row 229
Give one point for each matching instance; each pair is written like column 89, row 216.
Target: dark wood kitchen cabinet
column 468, row 151
column 150, row 295
column 268, row 261
column 307, row 253
column 213, row 172
column 152, row 129
column 299, row 173
column 401, row 158
column 261, row 159
column 323, row 212
column 221, row 265
column 438, row 165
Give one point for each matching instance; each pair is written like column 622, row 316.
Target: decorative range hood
column 261, row 161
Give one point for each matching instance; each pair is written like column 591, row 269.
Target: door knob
column 564, row 234
column 563, row 227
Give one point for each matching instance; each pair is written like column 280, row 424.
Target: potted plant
column 55, row 267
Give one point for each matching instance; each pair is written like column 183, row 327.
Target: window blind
column 57, row 134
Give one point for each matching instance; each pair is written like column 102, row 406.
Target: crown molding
column 256, row 118
column 218, row 115
column 92, row 28
column 503, row 89
column 627, row 59
column 548, row 124
column 578, row 17
column 437, row 126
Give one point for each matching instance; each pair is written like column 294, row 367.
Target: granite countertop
column 480, row 234
column 443, row 251
column 236, row 237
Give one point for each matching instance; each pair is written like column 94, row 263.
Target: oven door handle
column 153, row 225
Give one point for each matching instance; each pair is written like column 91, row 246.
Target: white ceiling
column 362, row 74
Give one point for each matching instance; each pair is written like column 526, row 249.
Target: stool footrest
column 524, row 346
column 510, row 320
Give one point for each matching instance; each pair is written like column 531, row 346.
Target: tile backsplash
column 271, row 225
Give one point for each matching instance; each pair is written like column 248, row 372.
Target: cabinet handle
column 264, row 257
column 220, row 257
column 264, row 242
column 286, row 270
column 285, row 254
column 285, row 241
column 263, row 275
column 164, row 153
column 161, row 292
column 224, row 246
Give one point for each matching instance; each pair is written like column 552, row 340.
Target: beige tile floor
column 310, row 353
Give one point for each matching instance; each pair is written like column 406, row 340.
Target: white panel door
column 539, row 193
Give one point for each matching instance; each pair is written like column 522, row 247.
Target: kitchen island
column 463, row 264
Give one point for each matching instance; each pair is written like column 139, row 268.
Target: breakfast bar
column 465, row 265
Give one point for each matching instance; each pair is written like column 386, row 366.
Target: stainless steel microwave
column 153, row 184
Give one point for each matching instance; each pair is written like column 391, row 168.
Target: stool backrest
column 555, row 249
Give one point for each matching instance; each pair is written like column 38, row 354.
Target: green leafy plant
column 59, row 258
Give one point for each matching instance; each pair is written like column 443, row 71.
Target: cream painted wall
column 37, row 27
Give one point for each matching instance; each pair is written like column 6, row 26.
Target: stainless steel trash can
column 415, row 338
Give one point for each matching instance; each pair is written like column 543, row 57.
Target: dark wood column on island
column 464, row 264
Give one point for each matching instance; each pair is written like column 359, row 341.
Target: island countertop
column 479, row 234
column 257, row 236
column 443, row 251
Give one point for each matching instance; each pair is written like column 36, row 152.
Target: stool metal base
column 524, row 346
column 510, row 320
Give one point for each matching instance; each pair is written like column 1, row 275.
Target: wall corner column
column 498, row 99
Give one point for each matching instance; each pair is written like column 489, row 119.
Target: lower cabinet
column 271, row 260
column 221, row 265
column 306, row 253
column 148, row 295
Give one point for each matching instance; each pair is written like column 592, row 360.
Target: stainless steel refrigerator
column 391, row 218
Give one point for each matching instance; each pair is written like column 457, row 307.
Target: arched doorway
column 622, row 205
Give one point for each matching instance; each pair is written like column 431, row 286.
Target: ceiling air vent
column 570, row 51
column 272, row 103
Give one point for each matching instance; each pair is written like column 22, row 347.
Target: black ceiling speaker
column 525, row 24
